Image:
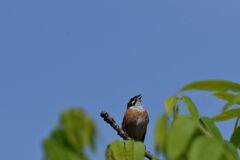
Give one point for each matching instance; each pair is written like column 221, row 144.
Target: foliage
column 68, row 140
column 121, row 150
column 177, row 136
column 196, row 137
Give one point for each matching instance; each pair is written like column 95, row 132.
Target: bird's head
column 135, row 101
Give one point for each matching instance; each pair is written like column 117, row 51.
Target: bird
column 135, row 119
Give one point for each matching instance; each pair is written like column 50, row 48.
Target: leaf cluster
column 69, row 139
column 196, row 137
column 177, row 136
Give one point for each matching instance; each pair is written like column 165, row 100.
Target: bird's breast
column 135, row 123
column 136, row 115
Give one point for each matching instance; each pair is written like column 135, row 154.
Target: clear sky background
column 55, row 54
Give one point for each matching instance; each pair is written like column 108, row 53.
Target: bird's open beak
column 139, row 96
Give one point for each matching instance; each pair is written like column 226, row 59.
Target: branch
column 107, row 118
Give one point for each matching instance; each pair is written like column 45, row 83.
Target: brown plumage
column 135, row 120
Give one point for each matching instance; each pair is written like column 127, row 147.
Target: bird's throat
column 138, row 108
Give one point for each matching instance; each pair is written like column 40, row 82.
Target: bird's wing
column 143, row 137
column 123, row 124
column 147, row 120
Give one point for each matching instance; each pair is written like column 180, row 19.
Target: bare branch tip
column 103, row 114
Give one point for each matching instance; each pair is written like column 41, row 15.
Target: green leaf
column 55, row 152
column 190, row 106
column 230, row 152
column 171, row 103
column 180, row 135
column 235, row 138
column 52, row 150
column 70, row 138
column 117, row 150
column 73, row 128
column 235, row 100
column 227, row 115
column 208, row 125
column 78, row 128
column 205, row 148
column 212, row 85
column 224, row 95
column 236, row 123
column 109, row 154
column 90, row 133
column 120, row 150
column 58, row 136
column 134, row 150
column 161, row 132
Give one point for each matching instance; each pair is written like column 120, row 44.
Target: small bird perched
column 136, row 119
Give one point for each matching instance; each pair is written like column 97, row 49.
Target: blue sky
column 98, row 54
